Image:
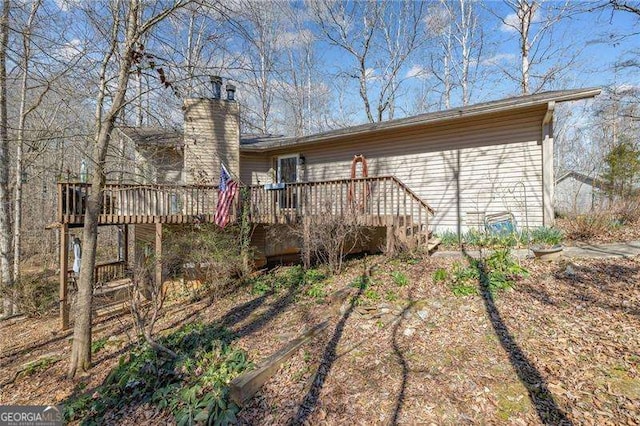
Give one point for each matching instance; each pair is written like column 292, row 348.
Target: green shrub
column 390, row 296
column 284, row 278
column 316, row 290
column 361, row 282
column 98, row 345
column 399, row 278
column 193, row 386
column 314, row 275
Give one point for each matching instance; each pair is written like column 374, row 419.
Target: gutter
column 430, row 118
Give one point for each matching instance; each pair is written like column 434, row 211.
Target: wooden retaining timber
column 243, row 387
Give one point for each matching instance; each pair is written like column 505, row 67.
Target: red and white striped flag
column 226, row 195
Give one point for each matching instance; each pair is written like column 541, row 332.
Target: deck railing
column 130, row 203
column 372, row 201
column 106, row 271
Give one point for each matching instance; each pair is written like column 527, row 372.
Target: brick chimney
column 211, row 135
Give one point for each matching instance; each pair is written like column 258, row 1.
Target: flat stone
column 423, row 314
column 409, row 332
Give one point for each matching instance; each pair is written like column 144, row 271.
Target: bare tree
column 5, row 210
column 380, row 38
column 22, row 117
column 542, row 59
column 626, row 6
column 460, row 41
column 107, row 111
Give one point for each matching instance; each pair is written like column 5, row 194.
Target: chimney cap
column 231, row 92
column 216, row 86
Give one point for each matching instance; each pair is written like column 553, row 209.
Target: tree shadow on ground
column 329, row 356
column 223, row 325
column 402, row 361
column 600, row 284
column 537, row 389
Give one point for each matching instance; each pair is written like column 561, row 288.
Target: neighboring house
column 428, row 173
column 577, row 193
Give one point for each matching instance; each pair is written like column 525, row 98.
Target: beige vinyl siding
column 254, row 168
column 499, row 155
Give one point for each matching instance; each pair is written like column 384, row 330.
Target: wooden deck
column 382, row 201
column 374, row 201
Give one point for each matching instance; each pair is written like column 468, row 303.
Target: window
column 288, row 173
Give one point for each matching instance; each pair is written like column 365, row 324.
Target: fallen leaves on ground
column 563, row 344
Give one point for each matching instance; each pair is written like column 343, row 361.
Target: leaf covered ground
column 562, row 346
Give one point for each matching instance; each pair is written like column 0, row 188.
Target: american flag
column 226, row 195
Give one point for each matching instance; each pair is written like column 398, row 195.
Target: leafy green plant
column 38, row 366
column 193, row 386
column 312, row 276
column 98, row 344
column 261, row 285
column 546, row 236
column 390, row 296
column 284, row 278
column 361, row 282
column 317, row 291
column 499, row 271
column 448, row 238
column 463, row 289
column 440, row 275
column 371, row 294
column 399, row 278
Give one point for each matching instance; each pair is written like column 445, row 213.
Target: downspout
column 547, row 165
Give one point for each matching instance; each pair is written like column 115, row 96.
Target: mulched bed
column 562, row 346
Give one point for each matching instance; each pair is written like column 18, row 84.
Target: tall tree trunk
column 81, row 349
column 17, row 214
column 6, row 271
column 105, row 122
column 525, row 15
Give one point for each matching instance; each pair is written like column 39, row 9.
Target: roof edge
column 519, row 102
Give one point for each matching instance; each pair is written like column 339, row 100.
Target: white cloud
column 370, row 74
column 511, row 21
column 71, row 49
column 417, row 71
column 295, row 39
column 498, row 59
column 66, row 5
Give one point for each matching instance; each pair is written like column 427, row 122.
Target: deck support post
column 391, row 238
column 64, row 266
column 158, row 257
column 125, row 245
column 306, row 241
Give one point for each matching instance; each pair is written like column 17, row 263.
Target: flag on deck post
column 226, row 194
